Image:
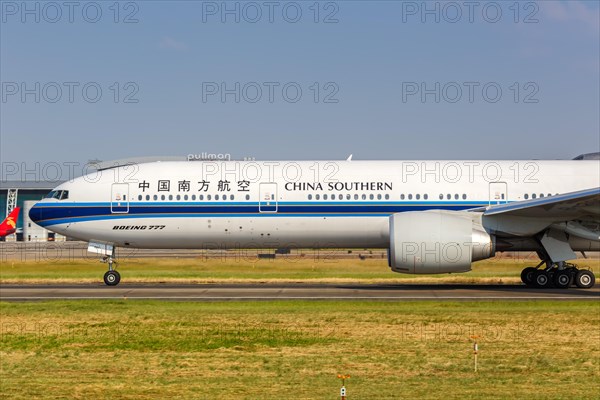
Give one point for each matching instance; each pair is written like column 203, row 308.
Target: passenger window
column 387, row 196
column 379, row 196
column 139, row 197
column 348, row 197
column 178, row 197
column 310, row 196
column 425, row 196
column 170, row 197
column 155, row 197
column 147, row 197
column 410, row 196
column 418, row 197
column 371, row 196
column 324, row 197
column 402, row 197
column 162, row 197
column 356, row 197
column 364, row 196
column 247, row 197
column 231, row 197
column 317, row 197
column 441, row 196
column 526, row 196
column 464, row 196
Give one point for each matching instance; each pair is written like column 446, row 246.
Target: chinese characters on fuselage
column 164, row 185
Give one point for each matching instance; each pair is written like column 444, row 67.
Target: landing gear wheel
column 562, row 279
column 527, row 276
column 541, row 279
column 112, row 278
column 585, row 279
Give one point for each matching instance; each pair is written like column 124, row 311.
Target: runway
column 233, row 292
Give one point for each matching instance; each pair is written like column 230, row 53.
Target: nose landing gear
column 111, row 277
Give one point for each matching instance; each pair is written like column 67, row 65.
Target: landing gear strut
column 561, row 275
column 111, row 277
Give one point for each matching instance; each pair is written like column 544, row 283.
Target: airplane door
column 119, row 200
column 498, row 193
column 268, row 197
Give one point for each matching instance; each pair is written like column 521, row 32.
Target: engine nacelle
column 437, row 241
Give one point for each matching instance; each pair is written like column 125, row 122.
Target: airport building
column 24, row 194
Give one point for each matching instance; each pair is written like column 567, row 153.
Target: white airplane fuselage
column 287, row 204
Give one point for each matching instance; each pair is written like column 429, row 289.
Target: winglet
column 349, row 158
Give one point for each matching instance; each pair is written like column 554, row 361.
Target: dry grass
column 190, row 270
column 274, row 350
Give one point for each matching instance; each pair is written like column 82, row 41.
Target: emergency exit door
column 268, row 197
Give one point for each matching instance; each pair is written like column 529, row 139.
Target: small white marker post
column 475, row 350
column 343, row 388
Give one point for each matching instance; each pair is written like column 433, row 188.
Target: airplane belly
column 263, row 231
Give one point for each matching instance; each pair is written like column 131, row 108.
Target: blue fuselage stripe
column 55, row 213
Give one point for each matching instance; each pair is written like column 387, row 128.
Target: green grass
column 294, row 349
column 198, row 270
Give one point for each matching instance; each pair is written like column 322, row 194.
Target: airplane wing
column 576, row 213
column 568, row 206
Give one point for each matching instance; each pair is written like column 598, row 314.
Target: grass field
column 294, row 350
column 191, row 270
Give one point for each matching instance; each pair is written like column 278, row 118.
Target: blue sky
column 366, row 60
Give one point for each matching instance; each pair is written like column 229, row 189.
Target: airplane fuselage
column 287, row 204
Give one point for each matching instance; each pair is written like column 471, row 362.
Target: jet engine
column 437, row 241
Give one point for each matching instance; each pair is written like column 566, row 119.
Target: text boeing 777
column 432, row 216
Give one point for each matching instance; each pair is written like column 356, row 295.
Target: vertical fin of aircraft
column 10, row 223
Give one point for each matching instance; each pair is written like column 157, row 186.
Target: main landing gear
column 561, row 275
column 111, row 277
